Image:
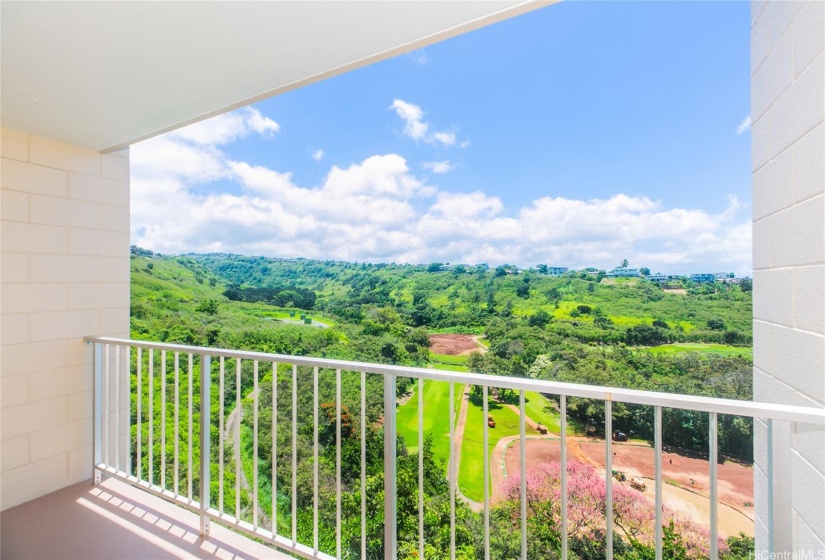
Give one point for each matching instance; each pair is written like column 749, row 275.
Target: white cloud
column 744, row 126
column 379, row 210
column 227, row 127
column 318, row 155
column 438, row 167
column 416, row 127
column 446, row 138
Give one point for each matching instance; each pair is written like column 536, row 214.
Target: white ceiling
column 104, row 75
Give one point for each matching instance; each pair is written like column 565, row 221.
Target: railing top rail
column 791, row 413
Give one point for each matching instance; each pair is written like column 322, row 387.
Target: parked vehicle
column 619, row 475
column 619, row 436
column 541, row 429
column 491, row 422
column 638, row 484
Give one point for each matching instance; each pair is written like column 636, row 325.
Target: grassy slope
column 709, row 348
column 436, row 417
column 471, row 469
column 627, row 302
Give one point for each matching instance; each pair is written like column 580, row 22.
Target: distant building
column 658, row 277
column 556, row 270
column 624, row 272
column 700, row 278
column 722, row 276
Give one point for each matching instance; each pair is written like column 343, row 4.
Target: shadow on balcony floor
column 115, row 521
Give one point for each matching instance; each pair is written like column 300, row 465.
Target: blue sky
column 575, row 135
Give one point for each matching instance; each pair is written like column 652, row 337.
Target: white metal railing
column 113, row 357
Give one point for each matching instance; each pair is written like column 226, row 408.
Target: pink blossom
column 633, row 514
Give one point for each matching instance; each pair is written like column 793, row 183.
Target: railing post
column 780, row 530
column 206, row 377
column 390, row 536
column 98, row 402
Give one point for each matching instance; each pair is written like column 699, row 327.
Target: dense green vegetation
column 570, row 328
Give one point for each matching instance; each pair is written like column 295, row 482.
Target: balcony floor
column 114, row 520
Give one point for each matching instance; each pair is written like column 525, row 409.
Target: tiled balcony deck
column 115, row 521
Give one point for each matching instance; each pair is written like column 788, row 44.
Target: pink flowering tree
column 633, row 514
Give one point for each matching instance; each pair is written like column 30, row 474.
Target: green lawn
column 545, row 412
column 471, row 470
column 436, row 417
column 698, row 347
column 449, row 367
column 448, row 359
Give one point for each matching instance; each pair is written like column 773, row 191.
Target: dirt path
column 459, row 439
column 480, row 348
column 696, row 507
column 232, row 435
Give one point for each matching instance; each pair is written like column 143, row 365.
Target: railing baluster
column 107, row 396
column 523, row 475
column 657, row 442
column 295, row 453
column 191, row 439
column 453, row 471
column 486, row 438
column 608, row 509
column 177, row 423
column 420, row 467
column 563, row 429
column 139, row 439
column 97, row 410
column 205, row 441
column 237, row 439
column 117, row 407
column 163, row 419
column 315, row 459
column 363, row 464
column 338, row 527
column 780, row 522
column 274, row 448
column 390, row 488
column 151, row 415
column 220, row 437
column 714, row 502
column 255, row 445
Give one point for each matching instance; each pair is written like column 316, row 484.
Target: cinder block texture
column 788, row 135
column 64, row 262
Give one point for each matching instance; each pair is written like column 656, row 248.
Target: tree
column 645, row 335
column 644, row 271
column 539, row 319
column 716, row 324
column 542, row 268
column 210, row 307
column 624, row 263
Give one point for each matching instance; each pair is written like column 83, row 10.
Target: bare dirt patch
column 453, row 344
column 686, row 479
column 679, row 291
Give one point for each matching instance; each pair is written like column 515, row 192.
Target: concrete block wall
column 788, row 135
column 64, row 274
